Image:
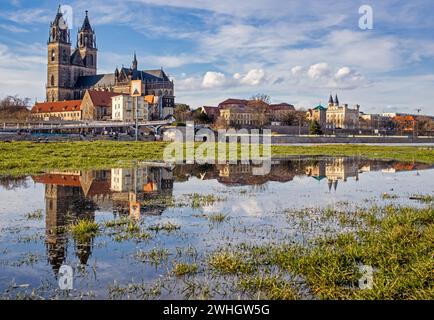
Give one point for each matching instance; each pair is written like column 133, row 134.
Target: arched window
column 52, row 80
column 91, row 60
column 53, row 55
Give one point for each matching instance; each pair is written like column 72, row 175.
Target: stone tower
column 65, row 65
column 86, row 43
column 59, row 86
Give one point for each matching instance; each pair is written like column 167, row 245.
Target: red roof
column 60, row 106
column 102, row 98
column 58, row 179
column 281, row 106
column 237, row 102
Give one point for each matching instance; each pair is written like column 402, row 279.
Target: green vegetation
column 217, row 218
column 84, row 229
column 268, row 287
column 19, row 158
column 182, row 269
column 34, row 215
column 397, row 242
column 154, row 256
column 227, row 262
column 167, row 226
column 315, row 128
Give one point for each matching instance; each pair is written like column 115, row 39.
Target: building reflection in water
column 70, row 196
column 128, row 192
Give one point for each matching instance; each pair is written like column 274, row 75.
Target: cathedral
column 70, row 72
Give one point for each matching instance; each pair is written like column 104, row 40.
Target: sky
column 295, row 51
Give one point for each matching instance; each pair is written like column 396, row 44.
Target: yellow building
column 341, row 116
column 239, row 117
column 318, row 114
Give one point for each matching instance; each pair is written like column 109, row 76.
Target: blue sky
column 295, row 51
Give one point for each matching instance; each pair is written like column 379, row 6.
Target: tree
column 221, row 123
column 182, row 112
column 200, row 117
column 14, row 108
column 315, row 128
column 259, row 105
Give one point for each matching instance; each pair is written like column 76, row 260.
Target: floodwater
column 176, row 209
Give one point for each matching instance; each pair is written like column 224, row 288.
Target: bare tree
column 259, row 104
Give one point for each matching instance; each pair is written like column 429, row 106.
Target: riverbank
column 28, row 157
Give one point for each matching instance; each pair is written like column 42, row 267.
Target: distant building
column 238, row 112
column 278, row 111
column 239, row 116
column 72, row 71
column 123, row 108
column 318, row 114
column 97, row 105
column 341, row 116
column 233, row 103
column 211, row 112
column 61, row 110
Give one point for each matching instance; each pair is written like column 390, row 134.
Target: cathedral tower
column 86, row 43
column 59, row 86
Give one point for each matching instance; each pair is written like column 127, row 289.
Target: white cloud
column 254, row 77
column 296, row 71
column 319, row 70
column 213, row 80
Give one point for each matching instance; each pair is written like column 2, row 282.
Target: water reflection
column 73, row 195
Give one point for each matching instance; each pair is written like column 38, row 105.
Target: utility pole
column 137, row 120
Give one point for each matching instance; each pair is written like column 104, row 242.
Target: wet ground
column 181, row 214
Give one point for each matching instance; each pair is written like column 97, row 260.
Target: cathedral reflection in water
column 72, row 195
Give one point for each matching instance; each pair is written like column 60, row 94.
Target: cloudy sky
column 295, row 51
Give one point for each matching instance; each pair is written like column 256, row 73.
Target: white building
column 123, row 109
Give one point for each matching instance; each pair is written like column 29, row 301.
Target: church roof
column 102, row 98
column 102, row 80
column 106, row 80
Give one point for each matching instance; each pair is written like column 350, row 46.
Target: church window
column 53, row 55
column 52, row 80
column 91, row 60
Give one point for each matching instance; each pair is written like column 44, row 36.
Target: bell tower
column 59, row 86
column 86, row 43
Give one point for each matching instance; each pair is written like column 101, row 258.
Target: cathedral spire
column 86, row 24
column 336, row 100
column 135, row 63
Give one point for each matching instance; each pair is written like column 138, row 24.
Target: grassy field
column 27, row 157
column 396, row 242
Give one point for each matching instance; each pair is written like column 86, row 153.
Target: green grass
column 397, row 242
column 228, row 262
column 269, row 287
column 17, row 158
column 217, row 218
column 167, row 226
column 182, row 269
column 34, row 215
column 84, row 229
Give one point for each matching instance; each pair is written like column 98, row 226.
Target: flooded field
column 152, row 232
